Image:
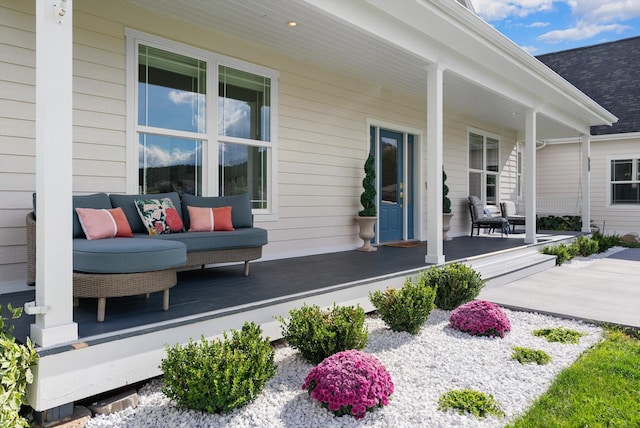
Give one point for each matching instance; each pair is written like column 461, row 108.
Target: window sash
column 625, row 181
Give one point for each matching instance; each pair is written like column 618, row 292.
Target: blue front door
column 390, row 182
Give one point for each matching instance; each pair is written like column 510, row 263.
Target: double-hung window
column 204, row 123
column 625, row 181
column 484, row 166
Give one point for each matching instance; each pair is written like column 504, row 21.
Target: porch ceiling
column 323, row 38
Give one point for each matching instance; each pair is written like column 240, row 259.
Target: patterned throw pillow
column 159, row 216
column 210, row 219
column 103, row 223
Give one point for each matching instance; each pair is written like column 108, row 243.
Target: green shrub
column 565, row 223
column 455, row 284
column 605, row 242
column 559, row 334
column 469, row 401
column 562, row 251
column 584, row 246
column 408, row 308
column 318, row 334
column 218, row 376
column 16, row 361
column 527, row 355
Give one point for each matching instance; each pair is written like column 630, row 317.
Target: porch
column 128, row 346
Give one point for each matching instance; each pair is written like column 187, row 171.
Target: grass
column 599, row 390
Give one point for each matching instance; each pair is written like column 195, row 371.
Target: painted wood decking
column 217, row 288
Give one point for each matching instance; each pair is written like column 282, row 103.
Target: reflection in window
column 243, row 104
column 389, row 179
column 243, row 169
column 168, row 164
column 625, row 181
column 171, row 90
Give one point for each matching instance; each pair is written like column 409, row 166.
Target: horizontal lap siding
column 323, row 138
column 616, row 219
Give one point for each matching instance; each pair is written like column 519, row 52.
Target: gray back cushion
column 240, row 211
column 127, row 203
column 477, row 206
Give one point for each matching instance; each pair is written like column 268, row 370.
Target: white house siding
column 559, row 188
column 559, row 179
column 323, row 135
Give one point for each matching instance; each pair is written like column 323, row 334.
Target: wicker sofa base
column 101, row 286
column 201, row 258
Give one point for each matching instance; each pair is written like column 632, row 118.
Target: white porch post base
column 436, row 260
column 51, row 336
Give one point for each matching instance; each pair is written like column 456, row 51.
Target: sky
column 543, row 26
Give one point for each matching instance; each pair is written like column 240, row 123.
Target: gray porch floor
column 216, row 288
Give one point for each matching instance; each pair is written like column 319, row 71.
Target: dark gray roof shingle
column 609, row 73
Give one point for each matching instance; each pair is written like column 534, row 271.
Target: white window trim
column 608, row 204
column 210, row 138
column 484, row 172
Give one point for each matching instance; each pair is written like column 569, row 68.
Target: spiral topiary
column 480, row 318
column 446, row 202
column 368, row 196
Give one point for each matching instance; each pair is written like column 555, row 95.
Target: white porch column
column 530, row 176
column 586, row 183
column 434, row 164
column 54, row 279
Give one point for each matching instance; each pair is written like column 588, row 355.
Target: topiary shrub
column 455, row 284
column 469, row 401
column 562, row 252
column 528, row 355
column 350, row 383
column 480, row 318
column 318, row 334
column 368, row 196
column 408, row 308
column 220, row 375
column 584, row 246
column 16, row 361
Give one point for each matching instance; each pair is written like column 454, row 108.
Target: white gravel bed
column 422, row 367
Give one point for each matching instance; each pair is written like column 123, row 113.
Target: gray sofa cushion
column 97, row 200
column 126, row 202
column 127, row 255
column 240, row 212
column 245, row 237
column 478, row 207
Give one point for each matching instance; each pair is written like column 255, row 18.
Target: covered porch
column 429, row 67
column 129, row 345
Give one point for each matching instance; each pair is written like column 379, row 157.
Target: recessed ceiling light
column 292, row 24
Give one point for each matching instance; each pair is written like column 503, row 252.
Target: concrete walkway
column 605, row 290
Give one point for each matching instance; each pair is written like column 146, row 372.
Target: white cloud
column 495, row 10
column 531, row 49
column 581, row 32
column 539, row 25
column 604, row 11
column 197, row 103
column 156, row 156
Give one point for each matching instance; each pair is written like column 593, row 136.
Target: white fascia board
column 596, row 138
column 471, row 48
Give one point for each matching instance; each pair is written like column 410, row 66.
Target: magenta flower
column 350, row 383
column 480, row 318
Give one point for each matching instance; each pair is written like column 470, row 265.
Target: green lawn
column 601, row 389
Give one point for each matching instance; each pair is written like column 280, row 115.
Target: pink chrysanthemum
column 350, row 382
column 480, row 318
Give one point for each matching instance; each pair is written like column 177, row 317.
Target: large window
column 625, row 181
column 484, row 166
column 204, row 123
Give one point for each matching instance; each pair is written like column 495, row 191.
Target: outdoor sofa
column 145, row 258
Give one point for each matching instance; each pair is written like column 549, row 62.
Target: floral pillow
column 103, row 223
column 159, row 216
column 210, row 219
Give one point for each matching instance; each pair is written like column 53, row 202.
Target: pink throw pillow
column 104, row 223
column 209, row 219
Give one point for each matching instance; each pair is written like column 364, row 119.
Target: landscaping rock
column 116, row 403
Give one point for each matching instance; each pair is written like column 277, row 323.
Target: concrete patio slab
column 603, row 290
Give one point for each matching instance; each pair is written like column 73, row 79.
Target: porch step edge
column 502, row 270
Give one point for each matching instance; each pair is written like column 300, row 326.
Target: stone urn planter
column 366, row 232
column 446, row 226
